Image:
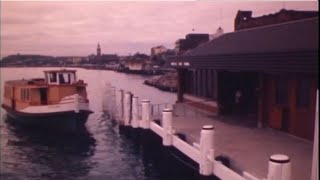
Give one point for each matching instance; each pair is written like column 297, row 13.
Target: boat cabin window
column 8, row 91
column 60, row 77
column 25, row 94
column 52, row 78
column 66, row 78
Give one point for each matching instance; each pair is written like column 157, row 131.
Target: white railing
column 202, row 152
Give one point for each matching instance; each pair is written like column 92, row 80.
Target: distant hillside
column 28, row 60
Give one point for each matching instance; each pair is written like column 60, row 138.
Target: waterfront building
column 244, row 19
column 159, row 55
column 191, row 41
column 268, row 72
column 137, row 63
column 158, row 50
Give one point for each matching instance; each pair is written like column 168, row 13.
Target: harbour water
column 99, row 153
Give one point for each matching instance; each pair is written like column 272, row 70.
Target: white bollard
column 315, row 158
column 167, row 127
column 107, row 98
column 279, row 167
column 206, row 150
column 112, row 102
column 127, row 108
column 104, row 98
column 121, row 104
column 135, row 113
column 146, row 114
column 76, row 103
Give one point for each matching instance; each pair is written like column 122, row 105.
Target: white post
column 112, row 101
column 146, row 114
column 135, row 115
column 167, row 127
column 127, row 107
column 315, row 159
column 279, row 167
column 206, row 150
column 76, row 103
column 121, row 103
column 107, row 97
column 104, row 97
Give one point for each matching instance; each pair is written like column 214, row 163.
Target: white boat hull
column 68, row 115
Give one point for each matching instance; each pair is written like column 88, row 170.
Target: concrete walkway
column 248, row 147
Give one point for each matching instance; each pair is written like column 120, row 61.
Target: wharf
column 204, row 136
column 247, row 147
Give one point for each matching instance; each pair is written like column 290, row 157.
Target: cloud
column 74, row 28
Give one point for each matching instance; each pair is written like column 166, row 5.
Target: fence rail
column 121, row 107
column 111, row 104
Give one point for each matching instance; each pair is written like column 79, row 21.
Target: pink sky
column 75, row 28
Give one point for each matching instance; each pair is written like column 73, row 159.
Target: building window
column 281, row 91
column 303, row 93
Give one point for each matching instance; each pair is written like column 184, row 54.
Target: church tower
column 98, row 50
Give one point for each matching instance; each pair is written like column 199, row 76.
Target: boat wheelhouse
column 59, row 100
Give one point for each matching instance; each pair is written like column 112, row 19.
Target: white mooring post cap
column 207, row 127
column 167, row 110
column 279, row 158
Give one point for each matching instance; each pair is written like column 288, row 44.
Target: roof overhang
column 299, row 62
column 287, row 47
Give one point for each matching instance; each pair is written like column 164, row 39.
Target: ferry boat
column 58, row 101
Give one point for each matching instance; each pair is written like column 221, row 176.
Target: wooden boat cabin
column 57, row 84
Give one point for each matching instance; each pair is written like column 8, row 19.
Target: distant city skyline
column 123, row 28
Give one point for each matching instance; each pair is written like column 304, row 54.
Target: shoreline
column 162, row 80
column 167, row 82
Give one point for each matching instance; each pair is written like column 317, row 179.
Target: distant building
column 103, row 58
column 135, row 65
column 244, row 19
column 98, row 50
column 158, row 50
column 218, row 33
column 159, row 55
column 75, row 60
column 91, row 57
column 69, row 59
column 109, row 59
column 191, row 41
column 137, row 62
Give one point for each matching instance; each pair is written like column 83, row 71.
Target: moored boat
column 58, row 101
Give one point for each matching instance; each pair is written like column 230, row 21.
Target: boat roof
column 24, row 82
column 60, row 70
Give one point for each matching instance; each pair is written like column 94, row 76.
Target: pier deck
column 248, row 147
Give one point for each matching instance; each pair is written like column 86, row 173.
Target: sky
column 74, row 28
